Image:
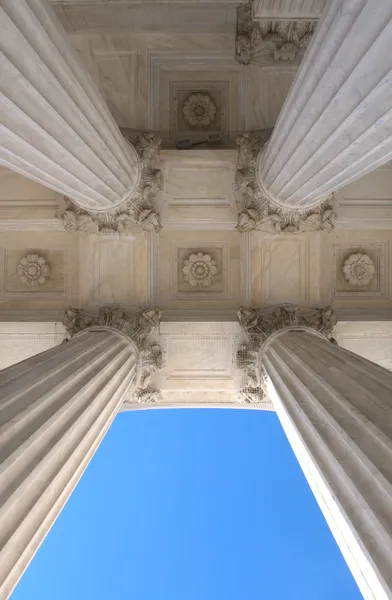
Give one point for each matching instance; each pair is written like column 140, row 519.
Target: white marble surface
column 56, row 408
column 56, row 129
column 135, row 15
column 290, row 9
column 335, row 124
column 335, row 408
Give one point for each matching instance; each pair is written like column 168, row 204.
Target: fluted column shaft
column 55, row 127
column 336, row 123
column 336, row 410
column 55, row 409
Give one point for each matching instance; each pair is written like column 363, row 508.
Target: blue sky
column 190, row 505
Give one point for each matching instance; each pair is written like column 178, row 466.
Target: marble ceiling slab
column 288, row 9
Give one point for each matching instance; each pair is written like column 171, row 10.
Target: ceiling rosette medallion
column 358, row 269
column 33, row 270
column 199, row 270
column 199, row 110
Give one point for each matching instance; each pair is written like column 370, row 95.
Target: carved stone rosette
column 259, row 212
column 134, row 210
column 259, row 324
column 138, row 329
column 281, row 41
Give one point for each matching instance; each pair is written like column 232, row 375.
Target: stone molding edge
column 138, row 329
column 259, row 211
column 282, row 40
column 137, row 209
column 260, row 324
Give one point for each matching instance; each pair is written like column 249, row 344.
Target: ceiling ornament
column 259, row 324
column 199, row 270
column 139, row 329
column 358, row 269
column 258, row 211
column 33, row 270
column 135, row 210
column 282, row 41
column 199, row 110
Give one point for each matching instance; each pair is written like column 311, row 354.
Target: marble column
column 336, row 410
column 55, row 409
column 336, row 123
column 55, row 127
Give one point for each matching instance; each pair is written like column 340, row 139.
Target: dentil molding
column 260, row 212
column 135, row 210
column 138, row 329
column 280, row 40
column 259, row 324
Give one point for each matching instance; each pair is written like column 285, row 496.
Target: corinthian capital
column 259, row 211
column 267, row 41
column 137, row 209
column 138, row 329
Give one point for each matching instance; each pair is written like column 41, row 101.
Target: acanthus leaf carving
column 281, row 40
column 259, row 324
column 139, row 329
column 259, row 212
column 136, row 209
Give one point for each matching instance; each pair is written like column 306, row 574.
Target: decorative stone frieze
column 259, row 324
column 135, row 210
column 199, row 110
column 33, row 270
column 138, row 329
column 284, row 41
column 199, row 269
column 259, row 211
column 358, row 269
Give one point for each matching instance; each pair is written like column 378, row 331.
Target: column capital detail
column 265, row 41
column 136, row 209
column 259, row 324
column 259, row 210
column 138, row 329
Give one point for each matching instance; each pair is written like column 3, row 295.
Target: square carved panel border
column 197, row 62
column 216, row 92
column 360, row 270
column 33, row 273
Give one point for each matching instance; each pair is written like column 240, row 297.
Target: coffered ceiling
column 150, row 60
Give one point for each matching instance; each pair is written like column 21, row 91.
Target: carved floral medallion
column 199, row 110
column 359, row 269
column 33, row 270
column 199, row 270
